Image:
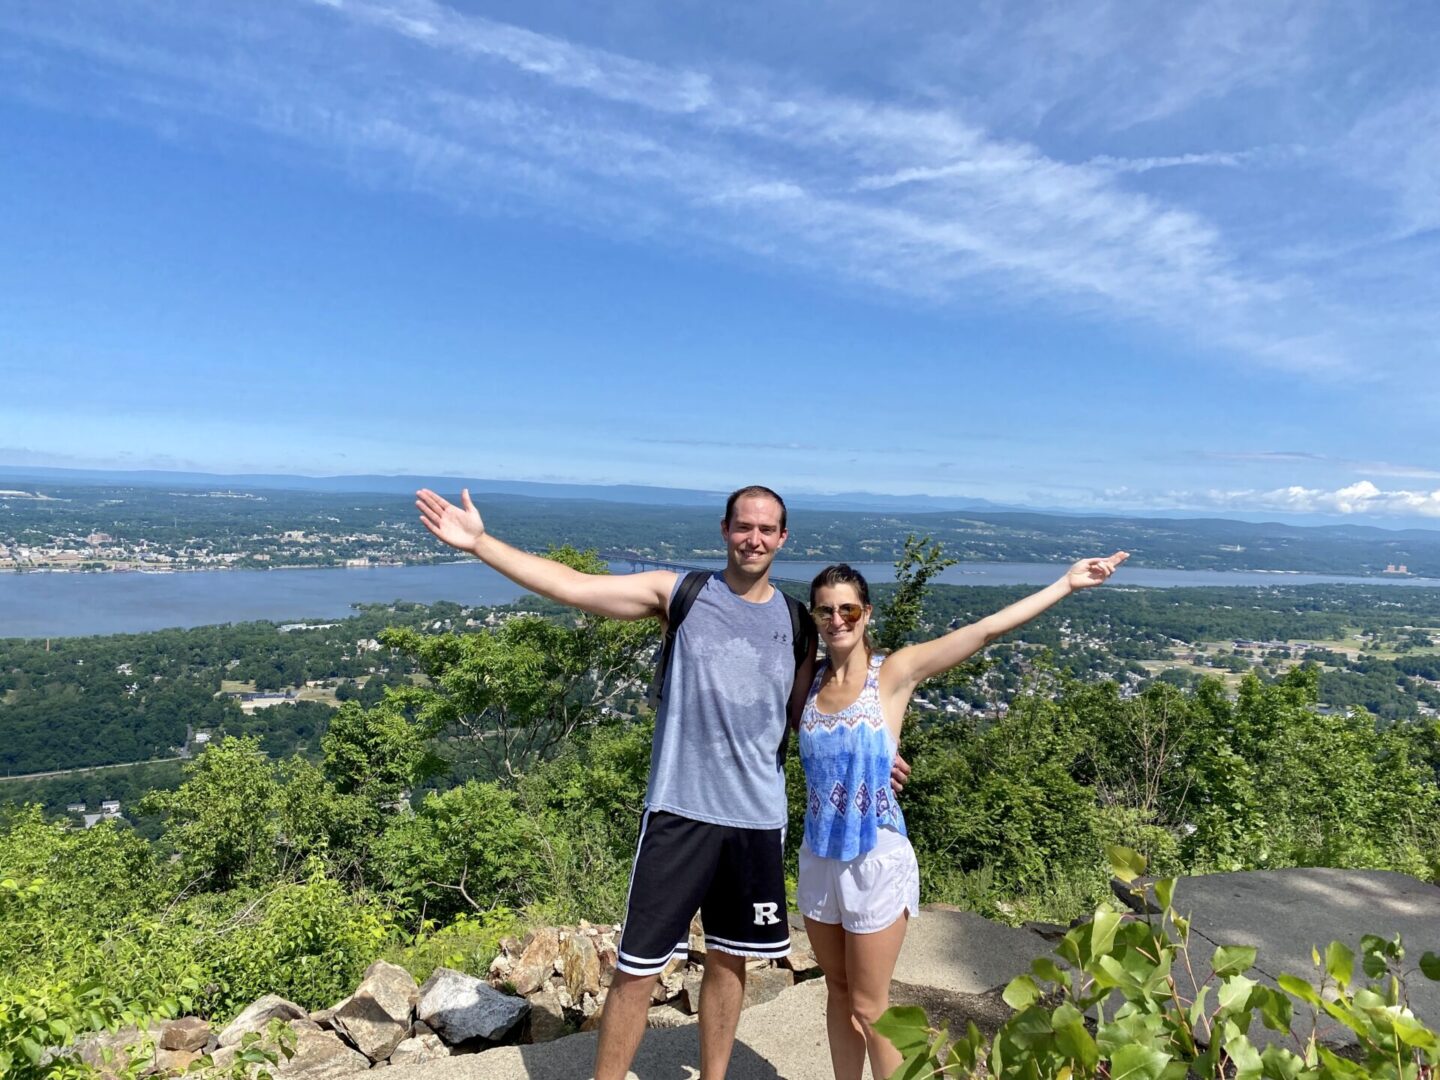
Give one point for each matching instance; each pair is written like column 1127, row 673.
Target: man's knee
column 725, row 964
column 627, row 985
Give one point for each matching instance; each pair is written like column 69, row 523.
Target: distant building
column 76, row 808
column 109, row 811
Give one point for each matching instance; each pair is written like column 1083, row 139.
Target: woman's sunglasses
column 849, row 612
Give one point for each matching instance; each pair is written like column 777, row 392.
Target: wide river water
column 34, row 605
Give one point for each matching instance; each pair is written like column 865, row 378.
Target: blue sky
column 1096, row 255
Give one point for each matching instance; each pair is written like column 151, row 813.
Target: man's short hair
column 746, row 492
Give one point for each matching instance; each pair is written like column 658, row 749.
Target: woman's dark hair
column 844, row 574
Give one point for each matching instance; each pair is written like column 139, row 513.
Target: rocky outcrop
column 377, row 1017
column 462, row 1009
column 257, row 1016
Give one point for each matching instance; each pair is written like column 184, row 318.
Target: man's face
column 753, row 534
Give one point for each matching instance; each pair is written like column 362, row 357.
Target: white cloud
column 922, row 200
column 1361, row 499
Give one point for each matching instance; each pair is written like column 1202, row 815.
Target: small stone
column 665, row 1016
column 257, row 1015
column 689, row 999
column 320, row 1055
column 187, row 1033
column 580, row 964
column 765, row 983
column 537, row 961
column 547, row 1016
column 418, row 1050
column 376, row 1019
column 169, row 1060
column 609, row 961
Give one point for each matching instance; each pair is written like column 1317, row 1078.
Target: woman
column 859, row 883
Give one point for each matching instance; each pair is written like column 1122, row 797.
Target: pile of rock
column 551, row 983
column 388, row 1020
column 563, row 973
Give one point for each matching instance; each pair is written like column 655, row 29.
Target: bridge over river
column 633, row 562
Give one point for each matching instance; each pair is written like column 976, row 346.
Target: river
column 34, row 605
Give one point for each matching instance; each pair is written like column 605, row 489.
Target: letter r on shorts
column 765, row 914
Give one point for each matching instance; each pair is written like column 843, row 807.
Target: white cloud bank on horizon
column 1361, row 499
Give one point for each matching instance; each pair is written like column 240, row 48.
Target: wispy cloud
column 921, row 200
column 1327, row 461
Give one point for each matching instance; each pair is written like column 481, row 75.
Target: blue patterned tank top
column 847, row 758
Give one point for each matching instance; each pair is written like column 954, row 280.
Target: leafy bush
column 308, row 941
column 468, row 849
column 1151, row 1021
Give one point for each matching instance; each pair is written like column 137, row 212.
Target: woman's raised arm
column 907, row 668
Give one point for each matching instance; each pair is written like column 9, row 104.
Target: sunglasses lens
column 851, row 613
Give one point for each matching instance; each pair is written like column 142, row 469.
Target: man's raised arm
column 618, row 596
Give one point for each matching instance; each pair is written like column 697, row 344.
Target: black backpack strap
column 680, row 605
column 802, row 631
column 805, row 641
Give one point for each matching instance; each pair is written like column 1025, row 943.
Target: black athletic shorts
column 734, row 877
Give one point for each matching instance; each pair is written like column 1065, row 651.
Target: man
column 715, row 812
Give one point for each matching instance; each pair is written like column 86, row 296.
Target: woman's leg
column 870, row 962
column 847, row 1042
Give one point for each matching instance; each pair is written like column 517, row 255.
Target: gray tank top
column 723, row 713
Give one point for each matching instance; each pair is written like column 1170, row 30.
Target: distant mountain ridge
column 646, row 495
column 403, row 484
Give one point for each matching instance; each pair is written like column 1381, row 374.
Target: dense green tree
column 510, row 697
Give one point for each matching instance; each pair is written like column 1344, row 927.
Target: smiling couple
column 712, row 835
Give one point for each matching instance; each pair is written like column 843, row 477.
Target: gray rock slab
column 461, row 1008
column 187, row 1033
column 965, row 953
column 376, row 1018
column 320, row 1055
column 783, row 1039
column 257, row 1015
column 1284, row 913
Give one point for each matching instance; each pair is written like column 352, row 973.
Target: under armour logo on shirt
column 765, row 914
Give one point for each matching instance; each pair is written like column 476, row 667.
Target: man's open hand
column 458, row 526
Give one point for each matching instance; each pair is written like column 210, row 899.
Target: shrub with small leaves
column 1124, row 1004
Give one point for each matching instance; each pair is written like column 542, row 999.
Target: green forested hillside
column 503, row 783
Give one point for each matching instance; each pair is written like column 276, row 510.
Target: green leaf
column 906, row 1026
column 1021, row 993
column 1430, row 966
column 1137, row 1062
column 1233, row 959
column 1102, row 934
column 1077, row 1044
column 32, row 1049
column 1125, row 863
column 1293, row 984
column 1275, row 1008
column 1373, row 964
column 1234, row 994
column 1165, row 892
column 1340, row 963
column 1045, row 968
column 1278, row 1063
column 1244, row 1057
column 1413, row 1033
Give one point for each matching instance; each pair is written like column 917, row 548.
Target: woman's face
column 840, row 616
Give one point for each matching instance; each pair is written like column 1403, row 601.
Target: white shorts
column 863, row 894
